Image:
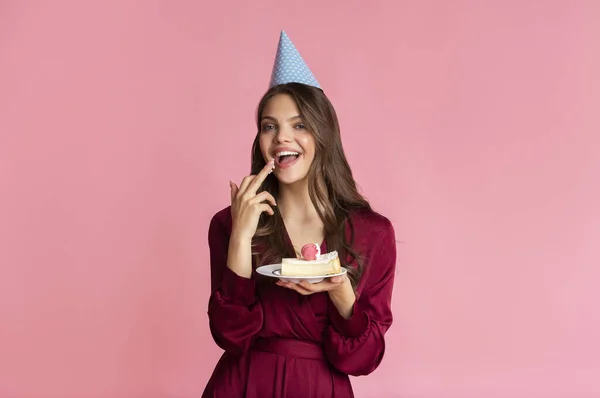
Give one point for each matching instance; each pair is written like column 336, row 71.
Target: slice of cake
column 312, row 263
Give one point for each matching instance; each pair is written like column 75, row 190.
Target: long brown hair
column 335, row 203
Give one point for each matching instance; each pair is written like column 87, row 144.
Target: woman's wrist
column 343, row 298
column 239, row 258
column 238, row 237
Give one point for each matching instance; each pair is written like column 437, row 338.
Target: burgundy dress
column 279, row 343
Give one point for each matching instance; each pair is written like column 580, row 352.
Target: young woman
column 297, row 340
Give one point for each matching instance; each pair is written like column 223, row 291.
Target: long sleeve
column 356, row 345
column 235, row 315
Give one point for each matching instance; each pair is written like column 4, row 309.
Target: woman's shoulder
column 221, row 219
column 370, row 228
column 367, row 219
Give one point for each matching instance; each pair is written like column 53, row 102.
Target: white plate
column 274, row 271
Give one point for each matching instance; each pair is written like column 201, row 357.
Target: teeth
column 286, row 153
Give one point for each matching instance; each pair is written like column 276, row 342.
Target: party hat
column 289, row 65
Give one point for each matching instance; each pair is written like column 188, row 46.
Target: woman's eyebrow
column 289, row 119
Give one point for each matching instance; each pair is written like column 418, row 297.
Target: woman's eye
column 301, row 126
column 268, row 127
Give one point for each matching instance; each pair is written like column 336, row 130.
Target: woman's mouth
column 285, row 159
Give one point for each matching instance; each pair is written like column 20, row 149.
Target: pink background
column 473, row 126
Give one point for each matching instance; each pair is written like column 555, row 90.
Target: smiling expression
column 285, row 137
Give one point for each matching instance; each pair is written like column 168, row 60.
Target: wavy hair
column 331, row 186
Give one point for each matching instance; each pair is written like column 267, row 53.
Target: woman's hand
column 339, row 289
column 327, row 285
column 247, row 206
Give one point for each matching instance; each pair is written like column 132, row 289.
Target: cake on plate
column 312, row 263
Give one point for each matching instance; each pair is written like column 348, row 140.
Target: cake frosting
column 311, row 263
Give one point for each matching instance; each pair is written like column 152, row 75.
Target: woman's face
column 283, row 136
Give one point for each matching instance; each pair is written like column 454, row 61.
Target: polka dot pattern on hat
column 289, row 66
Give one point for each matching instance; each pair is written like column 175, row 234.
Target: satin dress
column 279, row 343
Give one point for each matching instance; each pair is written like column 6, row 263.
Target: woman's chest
column 301, row 234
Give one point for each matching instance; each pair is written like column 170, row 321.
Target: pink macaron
column 310, row 251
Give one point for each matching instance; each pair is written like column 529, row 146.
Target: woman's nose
column 284, row 134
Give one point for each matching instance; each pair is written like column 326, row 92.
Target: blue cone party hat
column 289, row 65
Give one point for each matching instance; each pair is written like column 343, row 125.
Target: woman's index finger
column 261, row 176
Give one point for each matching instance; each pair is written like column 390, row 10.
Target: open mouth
column 286, row 158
